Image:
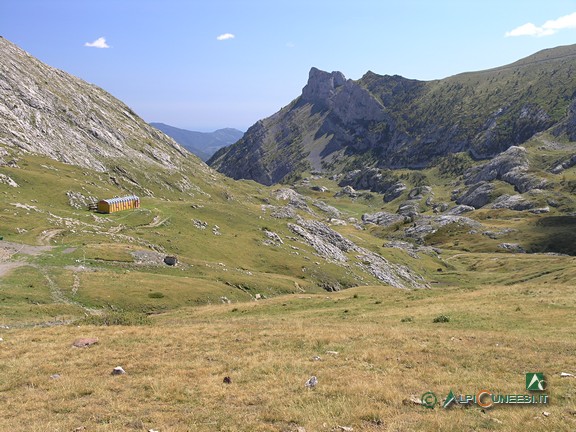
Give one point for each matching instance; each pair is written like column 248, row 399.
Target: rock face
column 49, row 112
column 394, row 122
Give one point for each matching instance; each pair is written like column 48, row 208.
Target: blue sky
column 165, row 59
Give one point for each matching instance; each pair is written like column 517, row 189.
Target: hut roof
column 121, row 199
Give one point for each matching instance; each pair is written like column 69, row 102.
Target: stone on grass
column 170, row 260
column 312, row 382
column 118, row 370
column 84, row 342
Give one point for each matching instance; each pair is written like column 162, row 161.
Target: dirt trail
column 9, row 249
column 5, row 267
column 156, row 222
column 47, row 235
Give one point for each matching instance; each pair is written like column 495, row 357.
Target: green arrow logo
column 449, row 399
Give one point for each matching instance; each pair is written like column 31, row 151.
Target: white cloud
column 290, row 45
column 225, row 36
column 98, row 43
column 550, row 27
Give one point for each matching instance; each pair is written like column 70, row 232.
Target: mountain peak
column 321, row 85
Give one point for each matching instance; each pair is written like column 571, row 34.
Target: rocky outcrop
column 478, row 195
column 513, row 202
column 374, row 180
column 565, row 164
column 427, row 225
column 459, row 210
column 511, row 167
column 333, row 246
column 383, row 219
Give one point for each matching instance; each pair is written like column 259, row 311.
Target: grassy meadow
column 240, row 306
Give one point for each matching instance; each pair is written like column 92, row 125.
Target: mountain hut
column 112, row 205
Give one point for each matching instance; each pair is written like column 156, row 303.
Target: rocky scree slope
column 392, row 122
column 46, row 111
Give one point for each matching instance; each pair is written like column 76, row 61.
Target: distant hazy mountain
column 202, row 144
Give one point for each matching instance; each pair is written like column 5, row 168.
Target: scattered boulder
column 312, row 382
column 118, row 370
column 84, row 342
column 347, row 191
column 440, row 207
column 374, row 180
column 460, row 209
column 79, row 201
column 294, row 199
column 511, row 167
column 410, row 209
column 540, row 210
column 512, row 247
column 170, row 260
column 419, row 192
column 319, row 188
column 337, row 222
column 273, row 237
column 394, row 191
column 8, row 180
column 200, row 224
column 332, row 211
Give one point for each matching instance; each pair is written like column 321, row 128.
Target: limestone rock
column 513, row 202
column 564, row 165
column 347, row 191
column 459, row 209
column 8, row 180
column 512, row 247
column 383, row 218
column 477, row 196
column 510, row 166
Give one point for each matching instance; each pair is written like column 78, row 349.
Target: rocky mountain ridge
column 393, row 122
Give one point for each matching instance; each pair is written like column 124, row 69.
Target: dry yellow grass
column 175, row 368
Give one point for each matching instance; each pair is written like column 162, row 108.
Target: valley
column 384, row 282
